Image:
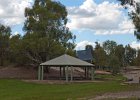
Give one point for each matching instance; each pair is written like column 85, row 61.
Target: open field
column 18, row 90
column 13, row 89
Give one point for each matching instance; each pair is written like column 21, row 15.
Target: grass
column 18, row 90
column 122, row 99
column 118, row 77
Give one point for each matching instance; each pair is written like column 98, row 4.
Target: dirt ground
column 60, row 81
column 120, row 95
column 18, row 72
column 24, row 73
column 32, row 73
column 134, row 75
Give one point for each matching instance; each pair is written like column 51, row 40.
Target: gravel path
column 133, row 75
column 130, row 94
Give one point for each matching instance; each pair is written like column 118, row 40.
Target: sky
column 89, row 20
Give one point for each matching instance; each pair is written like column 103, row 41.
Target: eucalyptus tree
column 46, row 33
column 109, row 47
column 137, row 59
column 134, row 15
column 100, row 56
column 4, row 43
column 115, row 64
column 130, row 54
column 120, row 53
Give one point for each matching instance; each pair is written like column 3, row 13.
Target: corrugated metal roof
column 66, row 60
column 85, row 55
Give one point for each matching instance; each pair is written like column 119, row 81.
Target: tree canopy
column 4, row 42
column 134, row 15
column 113, row 57
column 46, row 33
column 109, row 46
column 100, row 56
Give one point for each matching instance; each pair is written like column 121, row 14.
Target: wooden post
column 92, row 73
column 42, row 72
column 67, row 74
column 71, row 73
column 64, row 71
column 39, row 73
column 60, row 72
column 85, row 73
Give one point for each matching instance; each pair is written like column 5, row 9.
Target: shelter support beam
column 60, row 72
column 85, row 72
column 92, row 73
column 71, row 73
column 42, row 72
column 64, row 71
column 67, row 74
column 39, row 73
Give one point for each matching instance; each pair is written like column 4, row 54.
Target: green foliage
column 114, row 64
column 110, row 56
column 100, row 56
column 4, row 43
column 136, row 61
column 46, row 33
column 16, row 51
column 109, row 47
column 114, row 57
column 134, row 15
column 130, row 55
column 89, row 47
column 120, row 53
